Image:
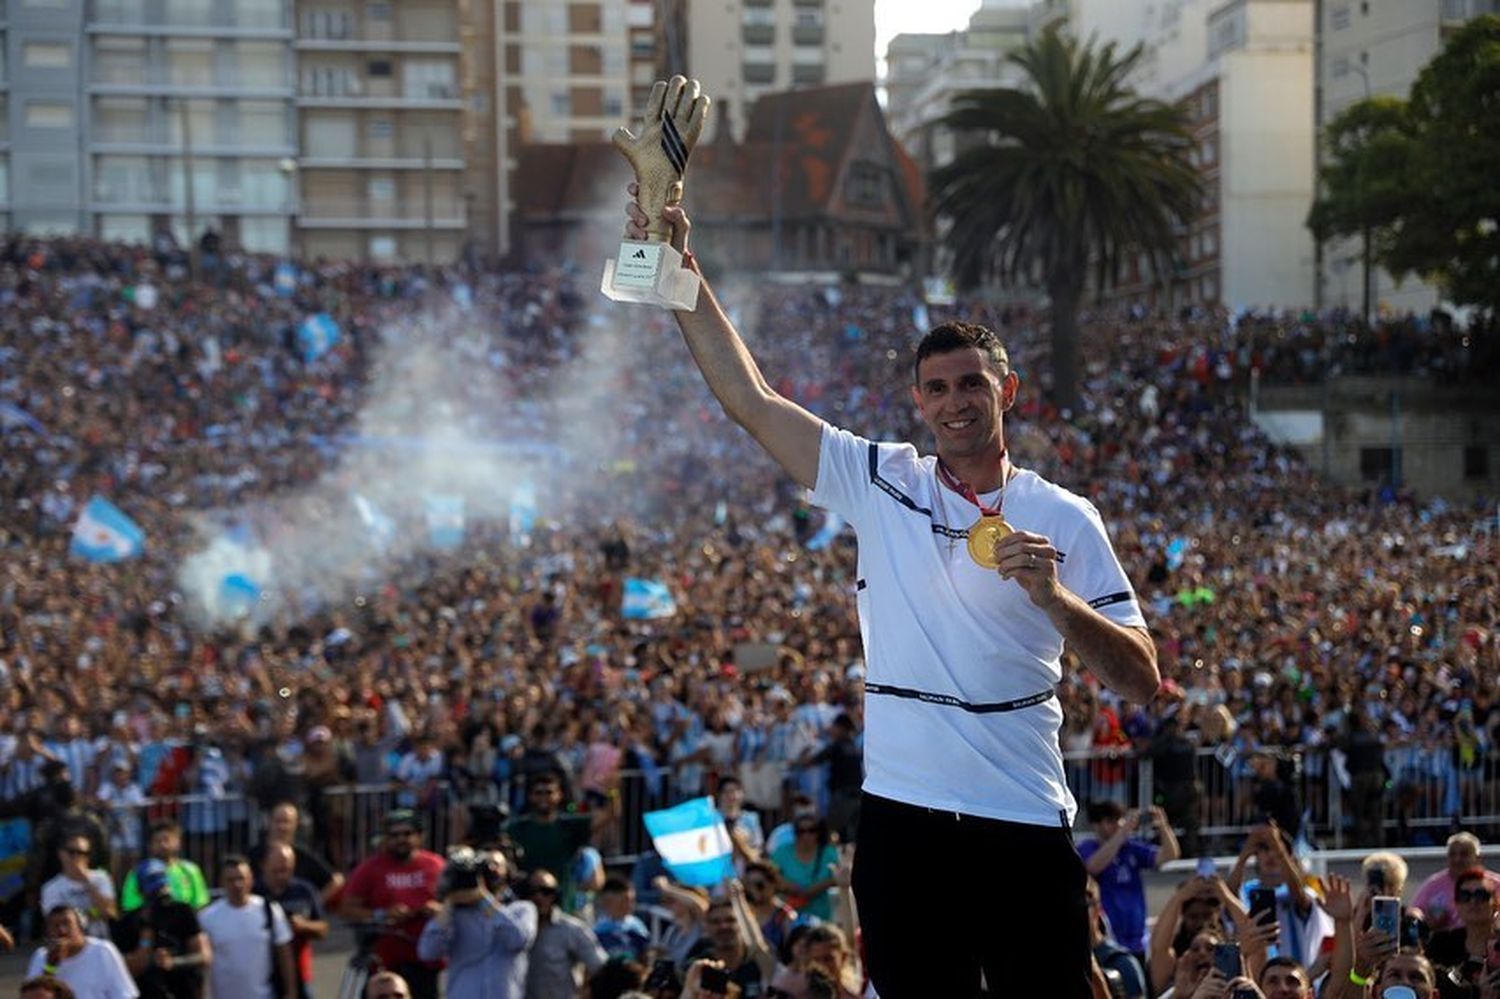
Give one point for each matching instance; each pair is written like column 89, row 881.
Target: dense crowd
column 1310, row 635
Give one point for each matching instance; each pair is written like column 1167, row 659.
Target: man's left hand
column 1031, row 561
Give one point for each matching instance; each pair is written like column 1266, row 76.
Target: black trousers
column 942, row 897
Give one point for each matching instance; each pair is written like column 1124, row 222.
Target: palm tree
column 1076, row 168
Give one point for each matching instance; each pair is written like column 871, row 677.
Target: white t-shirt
column 62, row 890
column 242, row 954
column 96, row 972
column 937, row 626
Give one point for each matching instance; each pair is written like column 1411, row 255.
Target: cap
column 151, row 878
column 401, row 817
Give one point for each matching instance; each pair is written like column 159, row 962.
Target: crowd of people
column 1311, row 636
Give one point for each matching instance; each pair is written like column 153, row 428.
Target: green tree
column 1074, row 168
column 1419, row 175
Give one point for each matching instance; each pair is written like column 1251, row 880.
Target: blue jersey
column 1122, row 890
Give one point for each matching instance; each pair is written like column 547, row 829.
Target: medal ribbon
column 967, row 491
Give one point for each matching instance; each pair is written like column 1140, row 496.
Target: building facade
column 132, row 117
column 744, row 49
column 1370, row 48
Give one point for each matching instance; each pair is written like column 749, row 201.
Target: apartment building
column 744, row 49
column 380, row 120
column 129, row 117
column 1370, row 48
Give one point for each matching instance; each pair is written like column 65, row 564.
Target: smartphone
column 1262, row 901
column 1385, row 915
column 1227, row 960
column 1411, row 933
column 714, row 980
column 1206, row 867
column 663, row 974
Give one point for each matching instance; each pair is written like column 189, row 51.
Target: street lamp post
column 1365, row 294
column 288, row 168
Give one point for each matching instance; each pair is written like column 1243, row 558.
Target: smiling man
column 973, row 575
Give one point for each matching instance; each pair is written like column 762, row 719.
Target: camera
column 463, row 874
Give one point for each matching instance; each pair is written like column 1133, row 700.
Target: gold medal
column 983, row 536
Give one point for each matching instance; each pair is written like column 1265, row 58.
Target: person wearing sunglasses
column 79, row 886
column 1475, row 902
column 808, row 867
column 566, row 950
column 398, row 888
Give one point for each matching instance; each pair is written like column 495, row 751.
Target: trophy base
column 650, row 273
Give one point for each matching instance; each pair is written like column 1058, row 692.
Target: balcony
column 395, row 101
column 357, row 161
column 809, row 74
column 403, row 46
column 362, row 213
column 807, row 34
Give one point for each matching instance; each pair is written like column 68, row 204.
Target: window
column 118, row 59
column 258, row 13
column 262, row 123
column 382, row 189
column 49, row 114
column 380, row 11
column 330, row 135
column 46, row 55
column 190, row 61
column 378, row 69
column 614, row 107
column 125, row 228
column 383, row 247
column 260, row 64
column 1339, row 68
column 381, row 128
column 1476, row 462
column 123, row 180
column 196, row 13
column 121, row 119
column 1338, row 17
column 426, row 79
column 1375, row 464
column 562, row 104
column 865, row 186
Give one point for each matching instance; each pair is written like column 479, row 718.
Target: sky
column 894, row 17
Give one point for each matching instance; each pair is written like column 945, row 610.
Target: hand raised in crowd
column 1372, row 947
column 1338, row 897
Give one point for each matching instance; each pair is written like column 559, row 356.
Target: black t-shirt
column 171, row 924
column 309, row 866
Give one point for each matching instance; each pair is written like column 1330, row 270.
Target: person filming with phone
column 1281, row 887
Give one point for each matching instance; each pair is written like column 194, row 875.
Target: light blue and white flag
column 317, row 335
column 920, row 317
column 463, row 297
column 646, row 600
column 832, row 525
column 12, row 416
column 381, row 527
column 104, row 533
column 1177, row 550
column 238, row 595
column 522, row 510
column 285, row 281
column 692, row 842
column 445, row 520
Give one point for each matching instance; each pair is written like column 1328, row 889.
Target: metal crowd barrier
column 1427, row 794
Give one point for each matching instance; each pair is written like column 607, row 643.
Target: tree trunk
column 1065, row 292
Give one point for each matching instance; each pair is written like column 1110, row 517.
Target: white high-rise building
column 741, row 49
column 1370, row 48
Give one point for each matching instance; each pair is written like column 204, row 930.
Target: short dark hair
column 1103, row 809
column 614, row 885
column 59, row 988
column 166, row 825
column 728, row 780
column 949, row 336
column 235, row 860
column 1283, row 962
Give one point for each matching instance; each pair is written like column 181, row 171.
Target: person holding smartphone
column 1302, row 922
column 1116, row 858
column 1473, row 939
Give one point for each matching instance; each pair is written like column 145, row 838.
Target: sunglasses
column 544, row 891
column 1473, row 895
column 76, row 853
column 756, row 885
column 806, row 829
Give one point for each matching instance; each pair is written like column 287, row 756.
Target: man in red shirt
column 397, row 888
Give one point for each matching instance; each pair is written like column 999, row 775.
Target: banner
column 104, row 533
column 692, row 842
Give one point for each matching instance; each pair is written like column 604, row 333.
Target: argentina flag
column 104, row 533
column 445, row 521
column 692, row 842
column 522, row 511
column 317, row 335
column 646, row 600
column 381, row 527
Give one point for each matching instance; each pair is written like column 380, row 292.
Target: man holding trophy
column 973, row 574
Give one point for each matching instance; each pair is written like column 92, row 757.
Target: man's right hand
column 639, row 223
column 1372, row 947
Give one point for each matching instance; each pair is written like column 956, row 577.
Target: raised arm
column 789, row 433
